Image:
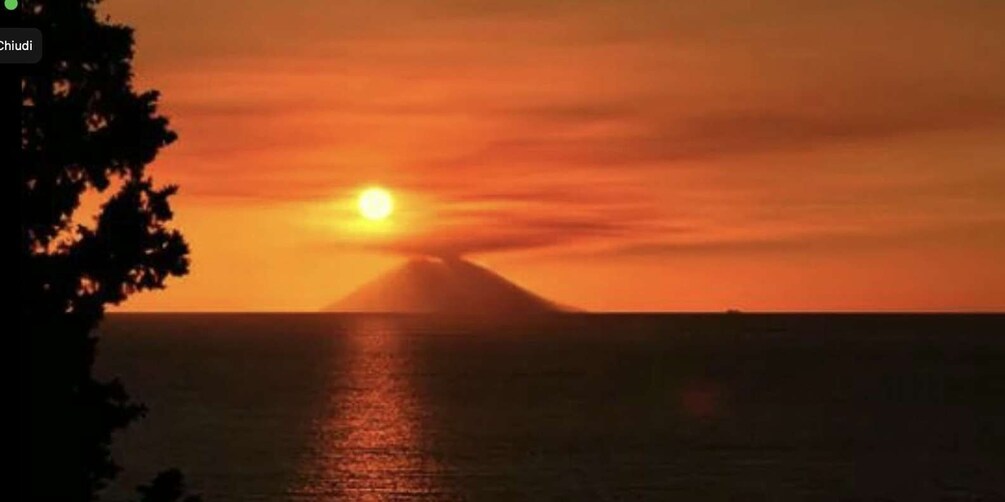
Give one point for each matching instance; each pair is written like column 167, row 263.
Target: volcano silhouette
column 443, row 286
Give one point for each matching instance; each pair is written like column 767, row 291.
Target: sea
column 570, row 407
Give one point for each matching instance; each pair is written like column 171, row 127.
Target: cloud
column 664, row 140
column 479, row 232
column 812, row 242
column 447, row 246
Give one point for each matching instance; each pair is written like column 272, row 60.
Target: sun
column 375, row 204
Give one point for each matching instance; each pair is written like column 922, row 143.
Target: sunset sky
column 611, row 155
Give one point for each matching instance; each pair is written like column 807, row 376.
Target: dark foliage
column 85, row 133
column 168, row 486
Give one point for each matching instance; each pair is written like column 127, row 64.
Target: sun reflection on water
column 369, row 443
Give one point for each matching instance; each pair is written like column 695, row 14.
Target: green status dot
column 10, row 4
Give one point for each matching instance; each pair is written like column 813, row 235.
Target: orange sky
column 629, row 155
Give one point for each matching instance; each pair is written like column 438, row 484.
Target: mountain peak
column 446, row 285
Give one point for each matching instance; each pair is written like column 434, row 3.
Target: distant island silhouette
column 444, row 286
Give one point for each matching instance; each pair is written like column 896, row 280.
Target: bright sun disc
column 375, row 204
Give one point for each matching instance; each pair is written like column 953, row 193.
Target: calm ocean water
column 573, row 407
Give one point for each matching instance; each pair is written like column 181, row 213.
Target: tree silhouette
column 84, row 133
